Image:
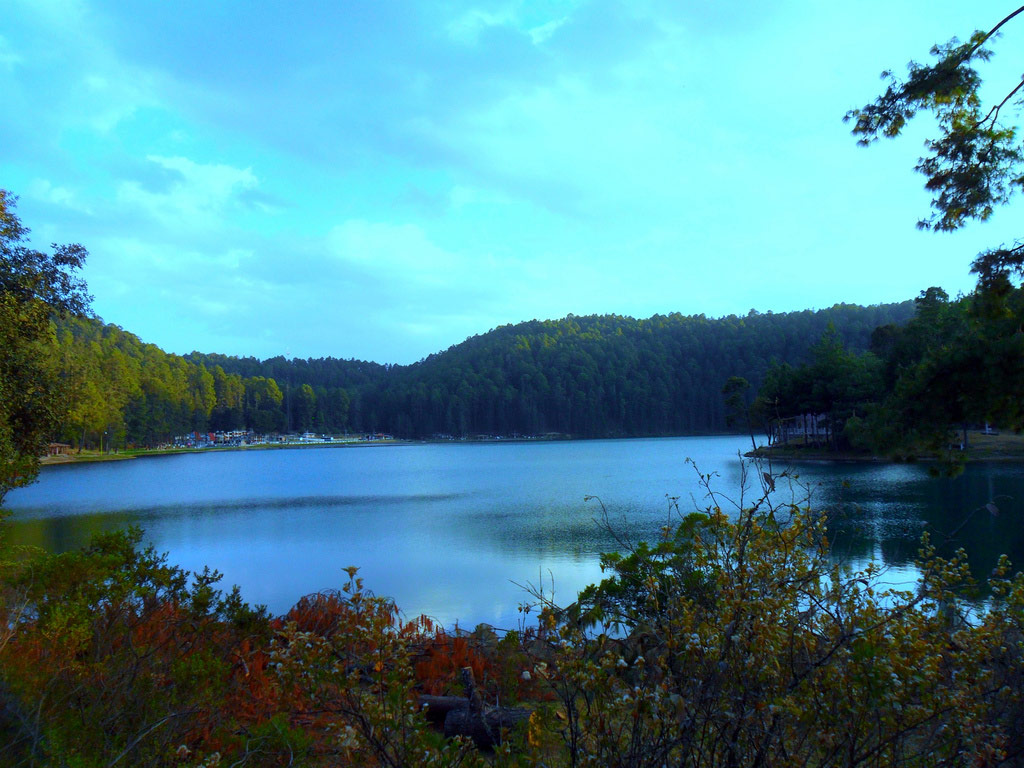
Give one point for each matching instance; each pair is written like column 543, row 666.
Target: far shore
column 981, row 447
column 88, row 456
column 1008, row 447
column 91, row 456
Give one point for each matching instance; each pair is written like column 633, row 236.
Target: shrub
column 735, row 640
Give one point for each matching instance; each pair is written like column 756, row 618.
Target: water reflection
column 879, row 512
column 447, row 529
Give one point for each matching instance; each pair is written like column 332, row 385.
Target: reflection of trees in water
column 880, row 513
column 577, row 531
column 65, row 533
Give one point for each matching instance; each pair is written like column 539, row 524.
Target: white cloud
column 88, row 84
column 43, row 190
column 614, row 146
column 402, row 249
column 106, row 101
column 201, row 196
column 135, row 255
column 161, row 291
column 540, row 34
column 529, row 19
column 467, row 27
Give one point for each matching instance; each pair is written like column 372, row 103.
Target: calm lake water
column 451, row 529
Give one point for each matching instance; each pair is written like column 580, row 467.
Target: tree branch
column 989, row 35
column 135, row 742
column 993, row 114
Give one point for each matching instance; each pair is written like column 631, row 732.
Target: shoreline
column 92, row 457
column 980, row 448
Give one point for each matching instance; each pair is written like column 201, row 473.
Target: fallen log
column 469, row 716
column 487, row 728
column 436, row 708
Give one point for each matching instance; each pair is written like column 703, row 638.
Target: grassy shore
column 981, row 447
column 76, row 457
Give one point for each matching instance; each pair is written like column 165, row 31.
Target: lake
column 452, row 529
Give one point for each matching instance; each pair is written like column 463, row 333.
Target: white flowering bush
column 739, row 641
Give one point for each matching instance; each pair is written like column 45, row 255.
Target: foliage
column 976, row 163
column 602, row 376
column 28, row 275
column 836, row 384
column 647, row 577
column 739, row 413
column 354, row 676
column 586, row 376
column 782, row 657
column 737, row 639
column 113, row 656
column 33, row 392
column 110, row 656
column 956, row 363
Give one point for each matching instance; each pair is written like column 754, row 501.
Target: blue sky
column 381, row 180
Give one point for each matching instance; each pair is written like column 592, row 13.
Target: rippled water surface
column 450, row 529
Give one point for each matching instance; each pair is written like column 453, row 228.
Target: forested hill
column 601, row 375
column 604, row 375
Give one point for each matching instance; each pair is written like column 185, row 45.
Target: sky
column 380, row 180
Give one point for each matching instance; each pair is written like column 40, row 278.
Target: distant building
column 810, row 427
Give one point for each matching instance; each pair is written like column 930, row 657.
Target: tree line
column 595, row 376
column 920, row 385
column 134, row 393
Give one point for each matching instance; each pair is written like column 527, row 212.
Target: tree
column 33, row 286
column 229, row 411
column 734, row 393
column 202, row 395
column 263, row 405
column 27, row 275
column 976, row 162
column 305, row 408
column 740, row 413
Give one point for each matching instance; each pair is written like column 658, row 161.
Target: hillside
column 595, row 376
